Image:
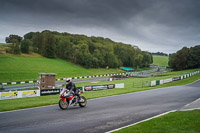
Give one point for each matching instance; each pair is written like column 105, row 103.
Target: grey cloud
column 164, row 25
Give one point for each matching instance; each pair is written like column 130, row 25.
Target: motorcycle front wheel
column 83, row 101
column 63, row 105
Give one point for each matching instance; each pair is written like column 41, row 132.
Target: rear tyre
column 63, row 105
column 83, row 101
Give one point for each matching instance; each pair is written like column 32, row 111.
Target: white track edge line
column 191, row 102
column 141, row 121
column 189, row 109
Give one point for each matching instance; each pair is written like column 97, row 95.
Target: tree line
column 160, row 53
column 89, row 52
column 186, row 58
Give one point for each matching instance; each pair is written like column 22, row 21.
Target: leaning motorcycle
column 66, row 99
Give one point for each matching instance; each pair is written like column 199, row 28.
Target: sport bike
column 67, row 98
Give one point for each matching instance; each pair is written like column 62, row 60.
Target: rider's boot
column 80, row 99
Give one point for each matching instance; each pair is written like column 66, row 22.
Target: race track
column 100, row 115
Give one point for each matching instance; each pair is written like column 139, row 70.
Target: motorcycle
column 66, row 99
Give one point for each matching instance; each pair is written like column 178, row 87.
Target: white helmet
column 68, row 80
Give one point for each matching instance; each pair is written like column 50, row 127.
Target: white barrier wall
column 119, row 85
column 19, row 94
column 153, row 83
column 167, row 80
column 161, row 81
column 185, row 76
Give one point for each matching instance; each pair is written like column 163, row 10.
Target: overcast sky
column 152, row 25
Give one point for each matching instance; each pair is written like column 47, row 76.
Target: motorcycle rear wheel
column 83, row 104
column 63, row 105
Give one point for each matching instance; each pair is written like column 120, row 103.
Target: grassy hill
column 27, row 66
column 160, row 60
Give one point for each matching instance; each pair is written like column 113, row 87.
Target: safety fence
column 141, row 84
column 33, row 93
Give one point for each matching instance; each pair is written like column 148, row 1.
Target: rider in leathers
column 72, row 88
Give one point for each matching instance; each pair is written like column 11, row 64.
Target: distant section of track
column 57, row 83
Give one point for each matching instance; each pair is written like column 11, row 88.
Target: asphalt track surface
column 101, row 114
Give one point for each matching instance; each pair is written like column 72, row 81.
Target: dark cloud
column 153, row 25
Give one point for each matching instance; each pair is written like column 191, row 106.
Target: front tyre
column 63, row 105
column 83, row 101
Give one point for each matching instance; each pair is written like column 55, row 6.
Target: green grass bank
column 25, row 67
column 176, row 122
column 160, row 60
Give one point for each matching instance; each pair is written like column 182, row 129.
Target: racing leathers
column 72, row 88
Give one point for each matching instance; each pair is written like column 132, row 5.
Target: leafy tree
column 181, row 58
column 138, row 60
column 25, row 46
column 194, row 57
column 98, row 59
column 38, row 42
column 86, row 51
column 49, row 47
column 15, row 47
column 63, row 48
column 13, row 39
column 146, row 59
column 171, row 62
column 160, row 53
column 29, row 35
column 111, row 60
column 15, row 43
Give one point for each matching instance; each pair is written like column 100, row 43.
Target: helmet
column 68, row 80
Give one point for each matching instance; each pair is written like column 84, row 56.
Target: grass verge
column 176, row 122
